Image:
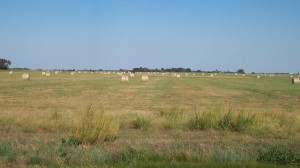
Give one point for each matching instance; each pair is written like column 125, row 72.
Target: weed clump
column 229, row 121
column 66, row 145
column 238, row 123
column 96, row 127
column 279, row 155
column 204, row 121
column 6, row 150
column 173, row 117
column 142, row 123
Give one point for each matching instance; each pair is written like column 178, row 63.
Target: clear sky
column 256, row 35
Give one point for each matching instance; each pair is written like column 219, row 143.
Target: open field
column 191, row 121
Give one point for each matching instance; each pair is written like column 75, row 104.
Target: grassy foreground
column 192, row 121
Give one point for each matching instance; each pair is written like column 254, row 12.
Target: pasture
column 224, row 120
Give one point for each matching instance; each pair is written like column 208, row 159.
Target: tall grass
column 142, row 123
column 279, row 155
column 204, row 121
column 96, row 127
column 6, row 150
column 173, row 117
column 214, row 120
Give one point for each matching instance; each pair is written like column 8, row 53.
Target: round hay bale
column 296, row 81
column 43, row 73
column 48, row 74
column 178, row 76
column 131, row 75
column 258, row 76
column 145, row 78
column 10, row 72
column 124, row 78
column 26, row 76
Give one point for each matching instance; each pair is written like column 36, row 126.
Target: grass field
column 192, row 121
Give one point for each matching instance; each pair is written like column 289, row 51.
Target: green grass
column 192, row 121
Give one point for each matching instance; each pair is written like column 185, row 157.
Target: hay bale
column 26, row 76
column 131, row 75
column 72, row 73
column 56, row 72
column 296, row 81
column 48, row 74
column 258, row 76
column 145, row 78
column 124, row 78
column 10, row 72
column 43, row 73
column 211, row 75
column 178, row 76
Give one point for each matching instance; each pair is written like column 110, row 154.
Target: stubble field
column 196, row 120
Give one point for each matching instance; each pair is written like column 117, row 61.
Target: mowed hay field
column 191, row 121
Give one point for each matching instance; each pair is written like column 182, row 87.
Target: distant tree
column 240, row 71
column 188, row 70
column 4, row 64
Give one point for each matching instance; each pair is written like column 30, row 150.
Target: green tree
column 240, row 71
column 4, row 64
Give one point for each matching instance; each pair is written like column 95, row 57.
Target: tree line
column 142, row 69
column 4, row 64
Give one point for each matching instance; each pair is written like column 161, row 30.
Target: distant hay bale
column 291, row 76
column 10, row 72
column 26, row 76
column 43, row 73
column 211, row 75
column 178, row 76
column 258, row 76
column 72, row 73
column 48, row 74
column 56, row 72
column 131, row 75
column 145, row 78
column 124, row 78
column 296, row 81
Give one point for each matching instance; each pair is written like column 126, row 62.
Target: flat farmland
column 196, row 120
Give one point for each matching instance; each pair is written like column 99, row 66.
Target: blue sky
column 256, row 35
